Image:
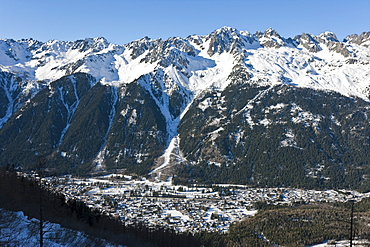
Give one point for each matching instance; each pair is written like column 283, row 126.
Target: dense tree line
column 296, row 225
column 301, row 225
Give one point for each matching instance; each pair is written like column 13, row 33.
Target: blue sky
column 121, row 21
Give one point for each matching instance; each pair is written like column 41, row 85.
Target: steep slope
column 39, row 126
column 190, row 105
column 90, row 126
column 10, row 91
column 138, row 134
column 18, row 230
column 276, row 136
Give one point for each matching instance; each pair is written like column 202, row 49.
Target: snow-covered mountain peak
column 328, row 36
column 245, row 33
column 224, row 30
column 270, row 32
column 331, row 41
column 308, row 42
column 13, row 52
column 362, row 39
column 272, row 39
column 138, row 47
column 92, row 45
column 227, row 39
column 197, row 62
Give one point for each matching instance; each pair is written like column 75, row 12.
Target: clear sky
column 121, row 21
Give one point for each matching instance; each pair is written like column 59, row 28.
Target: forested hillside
column 226, row 107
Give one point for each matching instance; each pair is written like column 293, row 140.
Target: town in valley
column 182, row 208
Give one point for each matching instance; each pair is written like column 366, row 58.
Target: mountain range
column 227, row 107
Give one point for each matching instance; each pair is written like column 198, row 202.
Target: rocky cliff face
column 225, row 107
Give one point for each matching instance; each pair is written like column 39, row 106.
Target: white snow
column 130, row 71
column 176, row 214
column 167, row 155
column 205, row 104
column 70, row 108
column 171, row 156
column 290, row 140
column 114, row 66
column 265, row 122
column 322, row 70
column 215, row 134
column 308, row 118
column 19, row 230
column 342, row 243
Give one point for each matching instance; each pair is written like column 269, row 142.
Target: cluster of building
column 182, row 208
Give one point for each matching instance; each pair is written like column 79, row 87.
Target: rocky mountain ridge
column 90, row 105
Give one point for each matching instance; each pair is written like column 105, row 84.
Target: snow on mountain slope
column 205, row 60
column 177, row 71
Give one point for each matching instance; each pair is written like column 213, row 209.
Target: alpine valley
column 228, row 107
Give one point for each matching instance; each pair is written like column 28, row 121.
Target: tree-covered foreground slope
column 302, row 225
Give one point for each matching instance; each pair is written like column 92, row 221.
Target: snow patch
column 19, row 230
column 205, row 104
column 308, row 118
column 247, row 108
column 71, row 109
column 290, row 140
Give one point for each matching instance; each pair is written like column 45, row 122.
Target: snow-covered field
column 343, row 243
